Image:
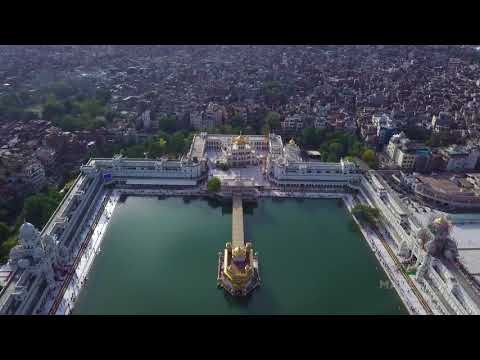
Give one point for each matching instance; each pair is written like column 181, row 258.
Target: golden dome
column 440, row 220
column 291, row 142
column 239, row 251
column 240, row 140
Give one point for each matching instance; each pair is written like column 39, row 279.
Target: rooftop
column 443, row 184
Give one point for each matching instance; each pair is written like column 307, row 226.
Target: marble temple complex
column 44, row 257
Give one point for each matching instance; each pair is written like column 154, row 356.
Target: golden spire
column 240, row 139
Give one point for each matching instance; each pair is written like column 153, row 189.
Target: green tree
column 311, row 137
column 332, row 158
column 167, row 123
column 52, row 108
column 336, row 149
column 356, row 149
column 4, row 232
column 368, row 156
column 177, row 143
column 134, row 151
column 90, row 107
column 38, row 208
column 272, row 119
column 214, row 184
column 366, row 213
column 157, row 148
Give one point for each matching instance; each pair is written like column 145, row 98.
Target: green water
column 160, row 257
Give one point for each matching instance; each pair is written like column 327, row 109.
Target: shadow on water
column 214, row 203
column 340, row 203
column 259, row 302
column 226, row 209
column 249, row 207
column 237, row 301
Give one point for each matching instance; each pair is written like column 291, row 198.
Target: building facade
column 460, row 159
column 420, row 247
column 240, row 153
column 385, row 128
column 286, row 168
column 405, row 153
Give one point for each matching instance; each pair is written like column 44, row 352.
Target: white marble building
column 424, row 248
column 285, row 167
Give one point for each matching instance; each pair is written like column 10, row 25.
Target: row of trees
column 172, row 145
column 78, row 113
column 14, row 107
column 24, row 105
column 168, row 123
column 334, row 144
column 419, row 133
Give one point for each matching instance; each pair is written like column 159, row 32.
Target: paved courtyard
column 253, row 173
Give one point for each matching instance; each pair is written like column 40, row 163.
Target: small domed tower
column 29, row 236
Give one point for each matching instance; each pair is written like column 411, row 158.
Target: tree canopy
column 214, row 184
column 4, row 232
column 334, row 144
column 272, row 120
column 78, row 114
column 167, row 123
column 157, row 148
column 158, row 145
column 39, row 207
column 366, row 213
